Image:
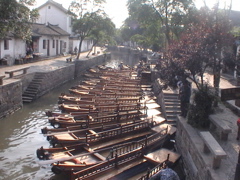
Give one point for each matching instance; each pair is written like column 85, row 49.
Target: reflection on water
column 20, row 134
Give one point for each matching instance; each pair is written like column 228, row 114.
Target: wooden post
column 116, row 161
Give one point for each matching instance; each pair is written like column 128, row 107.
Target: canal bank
column 38, row 78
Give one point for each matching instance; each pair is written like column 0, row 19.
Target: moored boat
column 85, row 120
column 98, row 134
column 77, row 159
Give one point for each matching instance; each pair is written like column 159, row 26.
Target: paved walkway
column 43, row 65
column 231, row 146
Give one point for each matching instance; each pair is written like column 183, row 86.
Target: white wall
column 19, row 48
column 52, row 50
column 16, row 47
column 86, row 44
column 55, row 16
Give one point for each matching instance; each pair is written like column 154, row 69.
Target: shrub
column 201, row 108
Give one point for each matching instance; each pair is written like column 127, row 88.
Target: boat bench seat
column 221, row 126
column 211, row 145
column 59, row 155
column 1, row 80
column 11, row 73
column 93, row 132
column 66, row 136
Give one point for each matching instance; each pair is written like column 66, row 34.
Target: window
column 6, row 44
column 53, row 43
column 49, row 7
column 65, row 45
column 44, row 44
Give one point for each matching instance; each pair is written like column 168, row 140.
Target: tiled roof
column 51, row 2
column 42, row 29
column 58, row 29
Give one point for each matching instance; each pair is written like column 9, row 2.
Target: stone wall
column 26, row 79
column 10, row 97
column 53, row 79
column 198, row 165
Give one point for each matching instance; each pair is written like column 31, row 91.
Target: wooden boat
column 121, row 155
column 68, row 158
column 144, row 169
column 75, row 158
column 77, row 108
column 85, row 120
column 98, row 134
column 100, row 107
column 108, row 87
column 91, row 93
column 115, row 138
column 64, row 98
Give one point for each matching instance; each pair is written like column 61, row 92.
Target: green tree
column 85, row 13
column 16, row 18
column 143, row 25
column 102, row 32
column 160, row 21
column 171, row 14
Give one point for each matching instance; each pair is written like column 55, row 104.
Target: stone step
column 171, row 120
column 32, row 88
column 27, row 98
column 27, row 101
column 172, row 105
column 29, row 95
column 39, row 76
column 37, row 80
column 170, row 95
column 172, row 115
column 36, row 86
column 174, row 101
column 30, row 91
column 146, row 86
column 172, row 111
column 171, row 99
column 35, row 83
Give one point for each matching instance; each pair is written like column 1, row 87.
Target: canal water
column 20, row 133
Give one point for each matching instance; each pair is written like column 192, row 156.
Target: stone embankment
column 54, row 72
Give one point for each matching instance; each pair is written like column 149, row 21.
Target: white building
column 11, row 48
column 54, row 13
column 49, row 40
